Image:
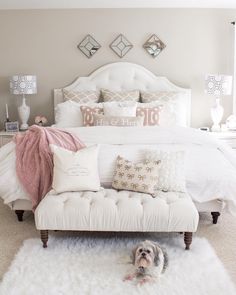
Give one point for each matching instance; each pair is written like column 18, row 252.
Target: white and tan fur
column 149, row 262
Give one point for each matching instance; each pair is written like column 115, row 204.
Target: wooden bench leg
column 215, row 216
column 188, row 240
column 44, row 237
column 19, row 214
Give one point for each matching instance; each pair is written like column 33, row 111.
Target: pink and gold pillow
column 87, row 114
column 151, row 115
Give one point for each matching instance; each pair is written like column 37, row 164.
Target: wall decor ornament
column 154, row 46
column 89, row 46
column 121, row 45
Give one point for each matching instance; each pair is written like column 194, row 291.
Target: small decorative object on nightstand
column 217, row 85
column 40, row 120
column 23, row 84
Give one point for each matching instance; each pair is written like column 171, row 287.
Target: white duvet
column 210, row 167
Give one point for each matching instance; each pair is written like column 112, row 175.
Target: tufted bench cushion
column 111, row 210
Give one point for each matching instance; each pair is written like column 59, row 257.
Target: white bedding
column 210, row 165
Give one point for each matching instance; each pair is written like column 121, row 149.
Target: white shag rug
column 84, row 266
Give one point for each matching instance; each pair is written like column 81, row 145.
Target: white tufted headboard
column 125, row 76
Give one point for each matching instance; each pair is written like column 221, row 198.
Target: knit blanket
column 34, row 159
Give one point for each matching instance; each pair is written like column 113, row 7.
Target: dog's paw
column 128, row 277
column 144, row 281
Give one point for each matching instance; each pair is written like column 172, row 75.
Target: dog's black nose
column 143, row 254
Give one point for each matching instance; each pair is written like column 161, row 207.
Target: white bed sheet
column 210, row 165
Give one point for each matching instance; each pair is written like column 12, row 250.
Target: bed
column 212, row 189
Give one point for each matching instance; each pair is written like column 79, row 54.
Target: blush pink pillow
column 150, row 114
column 87, row 114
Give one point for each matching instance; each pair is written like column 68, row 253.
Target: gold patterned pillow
column 140, row 177
column 81, row 96
column 128, row 95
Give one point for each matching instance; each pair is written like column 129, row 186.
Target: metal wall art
column 89, row 46
column 121, row 46
column 154, row 46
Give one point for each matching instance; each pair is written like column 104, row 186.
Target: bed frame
column 128, row 76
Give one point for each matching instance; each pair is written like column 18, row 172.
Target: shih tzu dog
column 149, row 262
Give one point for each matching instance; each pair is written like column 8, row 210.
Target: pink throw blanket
column 34, row 159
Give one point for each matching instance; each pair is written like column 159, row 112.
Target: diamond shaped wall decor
column 89, row 46
column 121, row 46
column 154, row 46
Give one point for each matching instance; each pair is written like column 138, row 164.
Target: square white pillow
column 171, row 176
column 120, row 109
column 75, row 171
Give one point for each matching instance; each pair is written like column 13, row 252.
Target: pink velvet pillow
column 87, row 114
column 150, row 114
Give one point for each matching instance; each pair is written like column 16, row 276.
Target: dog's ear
column 166, row 260
column 133, row 255
column 156, row 251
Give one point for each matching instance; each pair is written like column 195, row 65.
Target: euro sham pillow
column 125, row 108
column 128, row 95
column 86, row 96
column 138, row 177
column 68, row 114
column 75, row 171
column 88, row 112
column 173, row 104
column 171, row 176
column 101, row 120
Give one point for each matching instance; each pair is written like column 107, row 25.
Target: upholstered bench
column 111, row 210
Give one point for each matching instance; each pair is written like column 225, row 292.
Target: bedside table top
column 4, row 133
column 224, row 134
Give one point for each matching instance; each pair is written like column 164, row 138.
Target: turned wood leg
column 215, row 216
column 19, row 214
column 44, row 237
column 188, row 240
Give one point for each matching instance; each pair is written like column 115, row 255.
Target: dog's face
column 146, row 254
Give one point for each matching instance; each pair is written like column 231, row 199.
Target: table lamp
column 21, row 85
column 217, row 85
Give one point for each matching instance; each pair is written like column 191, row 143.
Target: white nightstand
column 227, row 137
column 6, row 137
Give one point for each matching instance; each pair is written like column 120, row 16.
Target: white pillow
column 68, row 114
column 120, row 109
column 172, row 170
column 75, row 171
column 174, row 110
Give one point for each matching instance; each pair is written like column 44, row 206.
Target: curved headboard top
column 124, row 76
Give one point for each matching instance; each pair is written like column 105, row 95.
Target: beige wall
column 43, row 42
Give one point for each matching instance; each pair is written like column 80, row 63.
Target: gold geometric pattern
column 139, row 177
column 81, row 96
column 129, row 95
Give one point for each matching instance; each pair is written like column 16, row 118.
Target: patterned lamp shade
column 23, row 84
column 218, row 85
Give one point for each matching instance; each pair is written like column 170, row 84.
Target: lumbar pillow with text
column 138, row 177
column 172, row 169
column 101, row 120
column 126, row 95
column 75, row 171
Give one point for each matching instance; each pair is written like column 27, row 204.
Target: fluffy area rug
column 83, row 266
